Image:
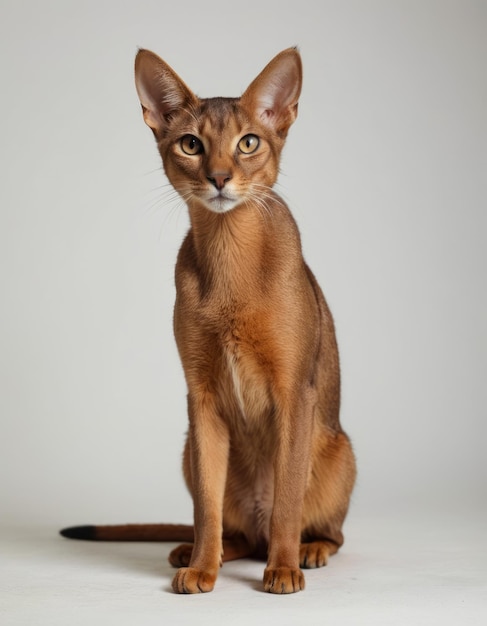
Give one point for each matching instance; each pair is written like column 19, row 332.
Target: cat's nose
column 220, row 179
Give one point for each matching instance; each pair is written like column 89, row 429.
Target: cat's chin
column 221, row 204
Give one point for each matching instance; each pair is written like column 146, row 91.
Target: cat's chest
column 244, row 379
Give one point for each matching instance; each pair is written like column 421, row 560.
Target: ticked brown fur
column 269, row 468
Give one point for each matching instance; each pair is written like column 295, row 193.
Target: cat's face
column 220, row 152
column 216, row 154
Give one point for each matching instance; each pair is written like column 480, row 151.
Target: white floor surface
column 413, row 570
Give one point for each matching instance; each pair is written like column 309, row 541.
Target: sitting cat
column 267, row 463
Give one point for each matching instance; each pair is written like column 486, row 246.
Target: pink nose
column 220, row 179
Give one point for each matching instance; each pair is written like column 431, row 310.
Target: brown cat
column 266, row 461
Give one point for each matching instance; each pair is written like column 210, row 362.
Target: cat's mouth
column 221, row 202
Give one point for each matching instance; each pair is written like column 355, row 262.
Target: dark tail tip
column 79, row 532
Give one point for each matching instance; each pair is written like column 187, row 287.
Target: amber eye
column 191, row 145
column 248, row 144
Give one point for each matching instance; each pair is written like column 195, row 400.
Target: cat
column 266, row 461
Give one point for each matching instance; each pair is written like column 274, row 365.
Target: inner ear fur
column 160, row 90
column 273, row 96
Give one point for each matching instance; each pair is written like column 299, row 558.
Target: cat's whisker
column 163, row 198
column 262, row 205
column 154, row 171
column 168, row 202
column 262, row 196
column 179, row 201
column 190, row 109
column 267, row 192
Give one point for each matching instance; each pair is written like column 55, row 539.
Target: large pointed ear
column 161, row 91
column 273, row 95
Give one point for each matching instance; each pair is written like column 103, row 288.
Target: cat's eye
column 191, row 145
column 248, row 144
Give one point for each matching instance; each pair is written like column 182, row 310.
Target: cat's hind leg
column 327, row 499
column 233, row 548
column 180, row 556
column 316, row 553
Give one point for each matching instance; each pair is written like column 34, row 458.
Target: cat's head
column 220, row 152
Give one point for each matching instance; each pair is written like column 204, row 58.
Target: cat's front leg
column 295, row 418
column 208, row 452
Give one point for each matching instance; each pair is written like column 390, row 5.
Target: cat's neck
column 234, row 250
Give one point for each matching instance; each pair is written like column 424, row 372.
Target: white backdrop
column 385, row 171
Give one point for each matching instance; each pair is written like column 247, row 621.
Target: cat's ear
column 273, row 96
column 161, row 92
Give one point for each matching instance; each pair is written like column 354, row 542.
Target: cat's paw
column 192, row 580
column 181, row 556
column 314, row 554
column 283, row 580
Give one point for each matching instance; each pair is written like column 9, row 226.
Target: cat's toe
column 181, row 556
column 192, row 580
column 283, row 580
column 314, row 554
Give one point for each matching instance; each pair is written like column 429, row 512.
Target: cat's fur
column 266, row 461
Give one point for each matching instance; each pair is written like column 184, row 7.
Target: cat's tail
column 131, row 532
